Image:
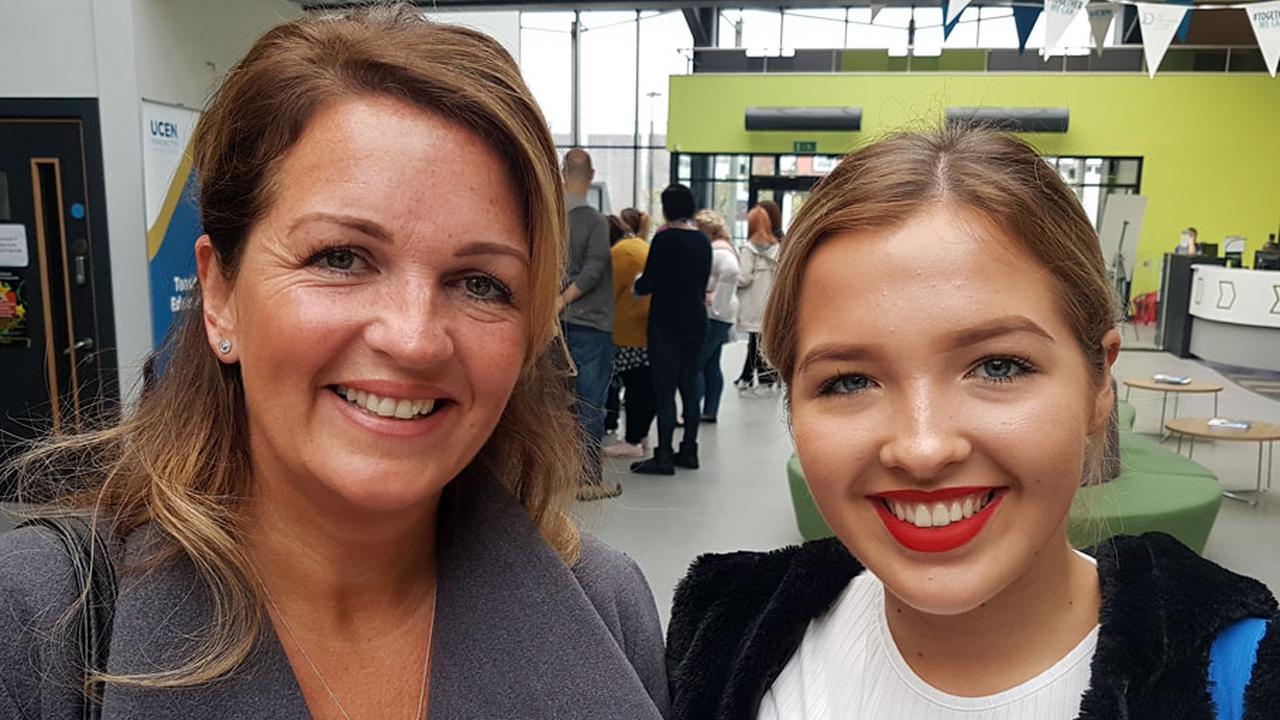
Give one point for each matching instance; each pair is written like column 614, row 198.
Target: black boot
column 688, row 456
column 662, row 463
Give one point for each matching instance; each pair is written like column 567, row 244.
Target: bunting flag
column 1101, row 16
column 948, row 25
column 1159, row 23
column 1058, row 15
column 1025, row 17
column 1265, row 18
column 1185, row 28
column 875, row 10
column 952, row 10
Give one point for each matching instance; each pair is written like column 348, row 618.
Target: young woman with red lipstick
column 945, row 330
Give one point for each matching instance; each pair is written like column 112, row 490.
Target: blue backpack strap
column 1231, row 665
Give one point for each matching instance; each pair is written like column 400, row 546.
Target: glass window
column 761, row 29
column 888, row 31
column 664, row 37
column 546, row 61
column 928, row 41
column 813, row 28
column 997, row 28
column 728, row 28
column 607, row 77
column 615, row 175
column 764, row 165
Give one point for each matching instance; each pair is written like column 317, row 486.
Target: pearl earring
column 224, row 347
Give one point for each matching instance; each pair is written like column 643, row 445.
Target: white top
column 848, row 666
column 722, row 285
column 755, row 281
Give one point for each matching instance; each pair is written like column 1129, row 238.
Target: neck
column 319, row 555
column 1023, row 631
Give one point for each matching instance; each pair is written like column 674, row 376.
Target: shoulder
column 604, row 571
column 36, row 590
column 738, row 617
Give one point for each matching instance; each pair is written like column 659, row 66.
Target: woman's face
column 379, row 313
column 940, row 406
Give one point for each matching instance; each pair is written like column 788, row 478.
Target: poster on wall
column 13, row 311
column 173, row 217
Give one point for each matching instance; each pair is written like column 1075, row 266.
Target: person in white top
column 945, row 331
column 758, row 259
column 722, row 310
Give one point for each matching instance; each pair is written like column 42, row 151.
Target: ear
column 1105, row 401
column 218, row 301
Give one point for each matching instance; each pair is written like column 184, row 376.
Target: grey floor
column 739, row 500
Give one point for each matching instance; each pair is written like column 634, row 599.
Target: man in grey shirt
column 586, row 304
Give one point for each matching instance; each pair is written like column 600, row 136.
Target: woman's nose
column 924, row 437
column 412, row 326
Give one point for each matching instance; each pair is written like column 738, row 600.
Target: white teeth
column 387, row 407
column 967, row 508
column 900, row 511
column 941, row 516
column 922, row 518
column 956, row 513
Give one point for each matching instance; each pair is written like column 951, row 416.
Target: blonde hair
column 180, row 460
column 711, row 223
column 999, row 176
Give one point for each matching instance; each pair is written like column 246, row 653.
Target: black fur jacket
column 739, row 617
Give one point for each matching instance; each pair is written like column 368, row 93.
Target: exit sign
column 805, row 146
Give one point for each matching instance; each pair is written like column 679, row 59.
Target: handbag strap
column 1231, row 661
column 95, row 579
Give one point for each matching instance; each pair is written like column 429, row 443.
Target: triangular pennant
column 1159, row 23
column 1185, row 28
column 948, row 25
column 875, row 10
column 1101, row 15
column 1025, row 17
column 1058, row 15
column 952, row 10
column 1265, row 18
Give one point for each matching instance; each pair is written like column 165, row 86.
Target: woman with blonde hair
column 722, row 311
column 945, row 329
column 346, row 494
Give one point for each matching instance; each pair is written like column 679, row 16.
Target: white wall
column 502, row 25
column 47, row 49
column 184, row 47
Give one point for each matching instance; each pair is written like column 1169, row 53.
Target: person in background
column 775, row 217
column 638, row 221
column 1187, row 242
column 722, row 310
column 758, row 261
column 586, row 304
column 1271, row 245
column 631, row 367
column 676, row 273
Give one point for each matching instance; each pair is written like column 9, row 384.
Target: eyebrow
column 484, row 247
column 966, row 337
column 361, row 225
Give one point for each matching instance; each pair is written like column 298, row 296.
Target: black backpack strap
column 94, row 577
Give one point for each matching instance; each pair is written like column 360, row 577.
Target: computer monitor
column 1207, row 249
column 1266, row 260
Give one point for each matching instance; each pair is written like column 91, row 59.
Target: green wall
column 1210, row 143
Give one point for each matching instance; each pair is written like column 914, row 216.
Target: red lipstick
column 935, row 539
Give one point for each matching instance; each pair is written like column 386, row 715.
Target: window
column 1094, row 179
column 546, row 61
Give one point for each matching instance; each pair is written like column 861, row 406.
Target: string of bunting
column 1160, row 23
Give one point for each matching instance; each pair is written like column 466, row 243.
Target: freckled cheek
column 1040, row 444
column 837, row 454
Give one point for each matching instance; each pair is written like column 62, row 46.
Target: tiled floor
column 739, row 500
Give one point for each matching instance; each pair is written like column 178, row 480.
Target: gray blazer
column 518, row 634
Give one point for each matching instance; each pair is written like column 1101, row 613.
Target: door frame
column 778, row 183
column 85, row 110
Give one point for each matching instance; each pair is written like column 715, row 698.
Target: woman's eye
column 845, row 385
column 487, row 288
column 340, row 260
column 1002, row 369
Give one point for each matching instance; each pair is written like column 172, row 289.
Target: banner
column 876, row 7
column 1159, row 23
column 173, row 218
column 1101, row 15
column 1265, row 18
column 1024, row 18
column 952, row 11
column 1058, row 15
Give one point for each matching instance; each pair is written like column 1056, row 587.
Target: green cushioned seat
column 810, row 522
column 1126, row 416
column 1141, row 454
column 1184, row 506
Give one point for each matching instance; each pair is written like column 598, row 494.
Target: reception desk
column 1236, row 316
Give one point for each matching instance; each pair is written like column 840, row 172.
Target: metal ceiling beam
column 703, row 25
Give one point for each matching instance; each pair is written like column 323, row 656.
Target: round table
column 1265, row 434
column 1193, row 387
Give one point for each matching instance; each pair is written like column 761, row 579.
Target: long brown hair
column 999, row 176
column 180, row 460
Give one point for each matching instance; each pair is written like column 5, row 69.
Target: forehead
column 401, row 166
column 941, row 269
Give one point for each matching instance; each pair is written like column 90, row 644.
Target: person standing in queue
column 675, row 274
column 758, row 260
column 722, row 310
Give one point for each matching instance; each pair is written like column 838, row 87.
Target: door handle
column 85, row 344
